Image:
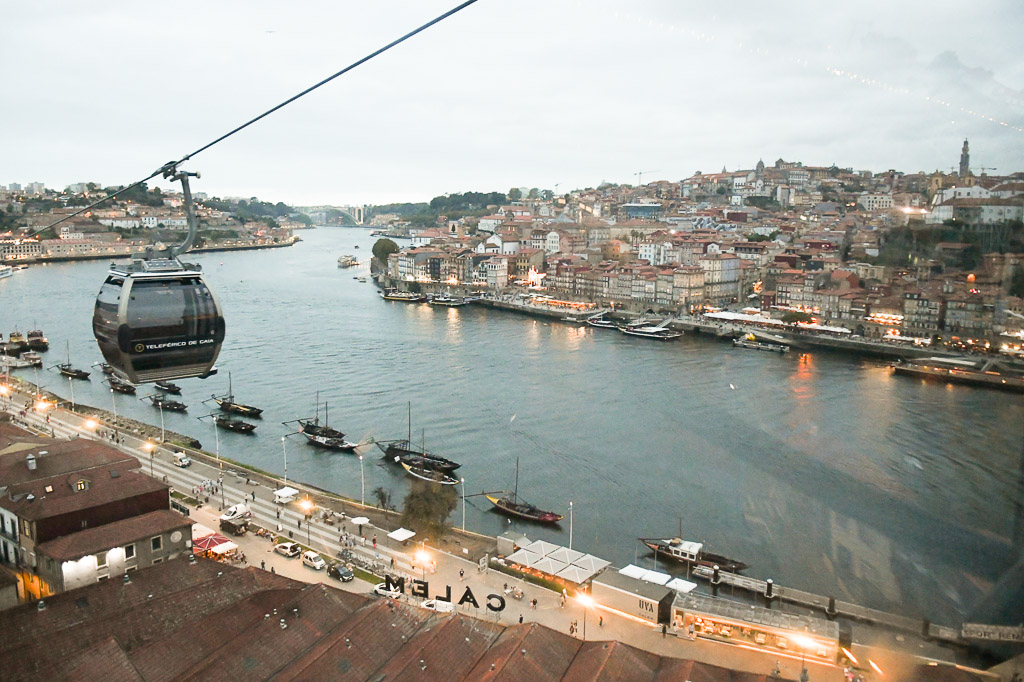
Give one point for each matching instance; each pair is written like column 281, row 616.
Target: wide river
column 822, row 471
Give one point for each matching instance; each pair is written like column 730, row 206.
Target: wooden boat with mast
column 322, row 435
column 236, row 425
column 431, row 475
column 689, row 552
column 67, row 370
column 227, row 404
column 403, row 452
column 165, row 404
column 513, row 505
column 120, row 385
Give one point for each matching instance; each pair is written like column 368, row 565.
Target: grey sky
column 529, row 93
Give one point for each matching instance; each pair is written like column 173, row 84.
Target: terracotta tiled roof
column 105, row 484
column 109, row 535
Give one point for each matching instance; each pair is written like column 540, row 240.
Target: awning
column 208, row 542
column 565, row 554
column 523, row 557
column 201, row 531
column 591, row 563
column 680, row 585
column 285, row 492
column 541, row 547
column 224, row 547
column 361, row 521
column 574, row 574
column 645, row 575
column 549, row 566
column 400, row 535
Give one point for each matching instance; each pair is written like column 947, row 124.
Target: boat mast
column 327, row 420
column 316, row 419
column 409, row 436
column 515, row 493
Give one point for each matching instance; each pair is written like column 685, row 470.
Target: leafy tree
column 514, row 194
column 384, row 248
column 793, row 317
column 547, row 195
column 427, row 507
column 534, row 193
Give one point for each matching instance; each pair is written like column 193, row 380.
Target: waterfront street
column 594, row 623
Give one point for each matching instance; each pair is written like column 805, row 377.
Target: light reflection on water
column 821, row 471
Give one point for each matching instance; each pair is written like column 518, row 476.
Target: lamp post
column 362, row 483
column 71, row 385
column 163, row 437
column 114, row 403
column 463, row 481
column 220, row 482
column 148, row 447
column 570, row 525
column 216, row 440
column 284, row 450
column 586, row 601
column 307, row 507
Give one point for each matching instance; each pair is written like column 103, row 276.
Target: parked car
column 382, row 590
column 313, row 560
column 341, row 572
column 288, row 549
column 438, row 605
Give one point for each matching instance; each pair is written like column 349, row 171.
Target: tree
column 514, row 194
column 427, row 506
column 534, row 193
column 794, row 317
column 383, row 497
column 384, row 248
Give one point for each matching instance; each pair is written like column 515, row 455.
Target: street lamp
column 163, row 438
column 71, row 385
column 114, row 403
column 362, row 483
column 463, row 481
column 307, row 508
column 570, row 525
column 284, row 449
column 148, row 447
column 220, row 482
column 422, row 558
column 586, row 601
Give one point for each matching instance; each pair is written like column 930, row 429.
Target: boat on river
column 447, row 300
column 347, row 261
column 322, row 435
column 431, row 475
column 227, row 404
column 513, row 505
column 33, row 358
column 404, row 452
column 165, row 404
column 6, row 271
column 37, row 340
column 982, row 373
column 168, row 387
column 693, row 553
column 601, row 323
column 403, row 296
column 651, row 332
column 67, row 369
column 16, row 343
column 750, row 341
column 236, row 425
column 120, row 385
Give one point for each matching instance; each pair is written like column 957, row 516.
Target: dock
column 830, row 606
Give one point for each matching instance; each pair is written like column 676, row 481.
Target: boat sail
column 513, row 505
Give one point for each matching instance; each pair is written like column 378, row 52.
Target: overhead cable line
column 170, row 166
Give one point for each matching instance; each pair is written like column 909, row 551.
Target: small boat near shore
column 37, row 340
column 66, row 369
column 347, row 261
column 168, row 387
column 981, row 373
column 513, row 505
column 6, row 271
column 403, row 452
column 165, row 404
column 601, row 323
column 227, row 404
column 652, row 332
column 693, row 553
column 120, row 385
column 402, row 296
column 431, row 475
column 322, row 435
column 236, row 425
column 33, row 358
column 447, row 300
column 750, row 341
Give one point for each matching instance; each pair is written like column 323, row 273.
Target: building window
column 156, row 543
column 157, row 561
column 101, row 560
column 81, row 485
column 129, row 552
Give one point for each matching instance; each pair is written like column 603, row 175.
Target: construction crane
column 985, row 168
column 640, row 176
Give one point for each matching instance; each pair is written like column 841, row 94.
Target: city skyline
column 487, row 100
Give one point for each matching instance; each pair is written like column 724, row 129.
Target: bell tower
column 965, row 162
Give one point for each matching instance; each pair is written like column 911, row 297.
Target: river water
column 820, row 470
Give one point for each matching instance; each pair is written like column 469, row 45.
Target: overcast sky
column 529, row 93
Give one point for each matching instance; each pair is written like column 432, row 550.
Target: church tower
column 965, row 162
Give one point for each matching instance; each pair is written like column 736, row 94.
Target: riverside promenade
column 446, row 565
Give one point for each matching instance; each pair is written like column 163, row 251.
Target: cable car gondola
column 155, row 318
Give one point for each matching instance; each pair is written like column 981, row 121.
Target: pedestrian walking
column 520, row 619
column 462, row 574
column 253, row 493
column 664, row 629
column 364, row 540
column 600, row 622
column 263, row 564
column 375, row 541
column 533, row 604
column 298, row 523
column 272, row 570
column 278, row 513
